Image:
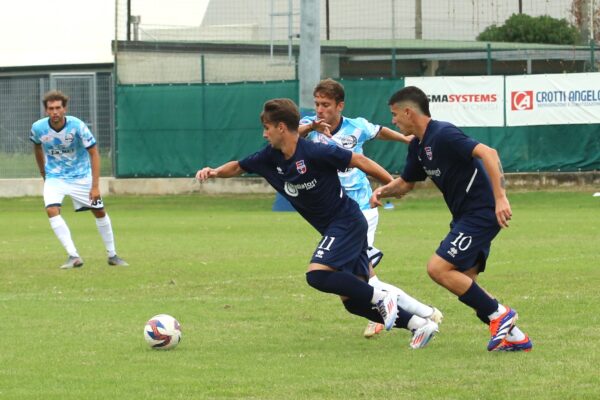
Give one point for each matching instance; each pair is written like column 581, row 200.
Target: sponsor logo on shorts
column 452, row 252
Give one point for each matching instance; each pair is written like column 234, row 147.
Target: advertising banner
column 465, row 100
column 555, row 99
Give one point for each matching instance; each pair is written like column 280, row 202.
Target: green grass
column 232, row 272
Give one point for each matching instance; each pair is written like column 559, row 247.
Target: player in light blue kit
column 330, row 126
column 68, row 159
column 305, row 173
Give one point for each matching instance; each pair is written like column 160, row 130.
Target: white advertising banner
column 556, row 99
column 464, row 100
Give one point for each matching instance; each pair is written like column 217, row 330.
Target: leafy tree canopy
column 523, row 28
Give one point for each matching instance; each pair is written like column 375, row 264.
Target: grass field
column 232, row 272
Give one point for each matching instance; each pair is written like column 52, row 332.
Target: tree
column 523, row 28
column 586, row 18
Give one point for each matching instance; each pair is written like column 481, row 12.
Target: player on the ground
column 330, row 126
column 470, row 176
column 305, row 173
column 68, row 159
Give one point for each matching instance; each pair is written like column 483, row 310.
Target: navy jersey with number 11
column 308, row 180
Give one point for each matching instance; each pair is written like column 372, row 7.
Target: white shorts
column 56, row 189
column 372, row 216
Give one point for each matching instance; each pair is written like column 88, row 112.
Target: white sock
column 415, row 322
column 501, row 310
column 105, row 229
column 405, row 301
column 377, row 295
column 62, row 232
column 515, row 335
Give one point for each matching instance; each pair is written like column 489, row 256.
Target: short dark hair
column 414, row 95
column 330, row 88
column 281, row 110
column 54, row 95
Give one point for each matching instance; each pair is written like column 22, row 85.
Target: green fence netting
column 173, row 130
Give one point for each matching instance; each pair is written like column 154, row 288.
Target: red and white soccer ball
column 162, row 332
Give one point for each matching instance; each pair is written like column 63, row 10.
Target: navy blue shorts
column 344, row 247
column 468, row 243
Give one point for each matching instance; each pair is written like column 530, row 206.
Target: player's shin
column 62, row 232
column 405, row 301
column 106, row 232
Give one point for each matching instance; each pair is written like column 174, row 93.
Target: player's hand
column 320, row 125
column 95, row 195
column 375, row 200
column 206, row 173
column 503, row 212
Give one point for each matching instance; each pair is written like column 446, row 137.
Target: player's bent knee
column 316, row 279
column 434, row 272
column 52, row 211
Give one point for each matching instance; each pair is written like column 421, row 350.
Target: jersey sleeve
column 458, row 143
column 87, row 138
column 33, row 135
column 255, row 163
column 413, row 170
column 307, row 120
column 368, row 129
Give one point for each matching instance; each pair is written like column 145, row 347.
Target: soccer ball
column 162, row 332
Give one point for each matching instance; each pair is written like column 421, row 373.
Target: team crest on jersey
column 301, row 167
column 348, row 142
column 69, row 137
column 429, row 153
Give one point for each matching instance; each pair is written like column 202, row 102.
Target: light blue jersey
column 66, row 151
column 351, row 135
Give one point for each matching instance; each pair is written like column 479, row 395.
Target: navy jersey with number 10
column 445, row 155
column 308, row 180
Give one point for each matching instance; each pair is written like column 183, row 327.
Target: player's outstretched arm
column 493, row 167
column 389, row 134
column 227, row 170
column 396, row 188
column 370, row 168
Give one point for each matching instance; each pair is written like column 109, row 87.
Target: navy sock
column 363, row 309
column 403, row 318
column 367, row 311
column 340, row 283
column 479, row 300
column 483, row 317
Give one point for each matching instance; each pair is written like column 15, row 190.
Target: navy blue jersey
column 445, row 155
column 308, row 180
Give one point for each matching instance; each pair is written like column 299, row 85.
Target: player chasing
column 331, row 127
column 470, row 176
column 305, row 173
column 68, row 159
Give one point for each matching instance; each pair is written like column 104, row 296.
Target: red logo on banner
column 521, row 100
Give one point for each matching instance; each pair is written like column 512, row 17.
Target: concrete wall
column 167, row 186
